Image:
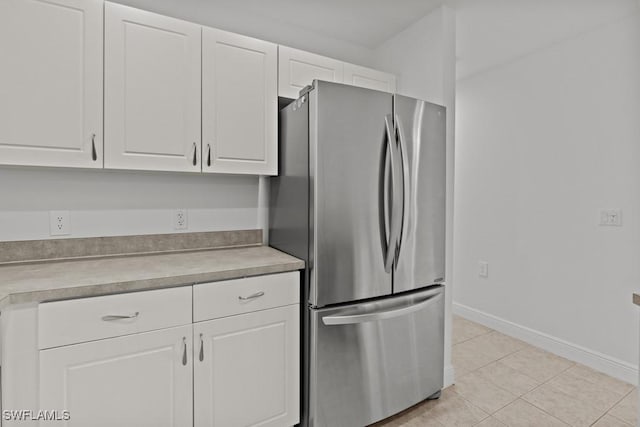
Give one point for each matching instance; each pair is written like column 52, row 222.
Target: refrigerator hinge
column 305, row 90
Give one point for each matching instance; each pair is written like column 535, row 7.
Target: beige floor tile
column 412, row 417
column 508, row 378
column 581, row 389
column 627, row 409
column 466, row 358
column 563, row 406
column 491, row 422
column 464, row 329
column 414, row 420
column 523, row 414
column 598, row 378
column 451, row 410
column 483, row 393
column 609, row 421
column 537, row 364
column 496, row 345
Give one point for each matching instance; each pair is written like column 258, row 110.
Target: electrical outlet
column 483, row 269
column 611, row 217
column 180, row 219
column 59, row 223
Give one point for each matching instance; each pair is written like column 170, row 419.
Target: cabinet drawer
column 229, row 297
column 68, row 322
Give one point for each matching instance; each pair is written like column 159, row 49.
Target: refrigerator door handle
column 385, row 182
column 379, row 315
column 406, row 181
column 396, row 200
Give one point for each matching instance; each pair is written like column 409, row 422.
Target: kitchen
column 205, row 193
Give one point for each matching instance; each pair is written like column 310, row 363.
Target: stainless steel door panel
column 346, row 160
column 372, row 360
column 421, row 255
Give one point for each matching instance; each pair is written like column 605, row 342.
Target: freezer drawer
column 374, row 359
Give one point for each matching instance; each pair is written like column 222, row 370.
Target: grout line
column 622, row 421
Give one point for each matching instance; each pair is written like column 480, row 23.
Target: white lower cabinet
column 246, row 369
column 132, row 381
column 138, row 360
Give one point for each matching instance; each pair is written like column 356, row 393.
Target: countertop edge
column 110, row 288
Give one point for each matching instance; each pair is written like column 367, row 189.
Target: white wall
column 423, row 58
column 108, row 203
column 542, row 144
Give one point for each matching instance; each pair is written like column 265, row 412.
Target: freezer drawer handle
column 252, row 296
column 112, row 317
column 379, row 315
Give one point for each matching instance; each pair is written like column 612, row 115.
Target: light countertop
column 46, row 281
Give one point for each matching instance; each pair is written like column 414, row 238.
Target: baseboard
column 449, row 376
column 593, row 359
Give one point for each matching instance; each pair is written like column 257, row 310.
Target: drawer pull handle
column 252, row 296
column 112, row 317
column 201, row 355
column 184, row 353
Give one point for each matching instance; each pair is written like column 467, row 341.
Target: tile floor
column 501, row 381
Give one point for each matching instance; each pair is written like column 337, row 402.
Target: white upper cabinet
column 51, row 83
column 239, row 104
column 367, row 77
column 152, row 91
column 298, row 69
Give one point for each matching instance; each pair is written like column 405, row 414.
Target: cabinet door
column 246, row 369
column 134, row 381
column 367, row 77
column 297, row 69
column 51, row 83
column 239, row 104
column 152, row 91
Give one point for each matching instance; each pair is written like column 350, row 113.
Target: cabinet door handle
column 195, row 154
column 94, row 154
column 252, row 296
column 184, row 353
column 111, row 317
column 201, row 355
column 209, row 155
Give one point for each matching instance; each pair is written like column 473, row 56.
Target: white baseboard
column 449, row 376
column 593, row 359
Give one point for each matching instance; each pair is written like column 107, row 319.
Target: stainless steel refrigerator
column 360, row 196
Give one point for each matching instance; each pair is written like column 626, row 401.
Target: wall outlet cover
column 483, row 269
column 59, row 223
column 180, row 219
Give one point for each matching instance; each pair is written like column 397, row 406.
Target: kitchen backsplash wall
column 111, row 203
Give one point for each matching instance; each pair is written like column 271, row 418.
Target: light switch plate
column 611, row 217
